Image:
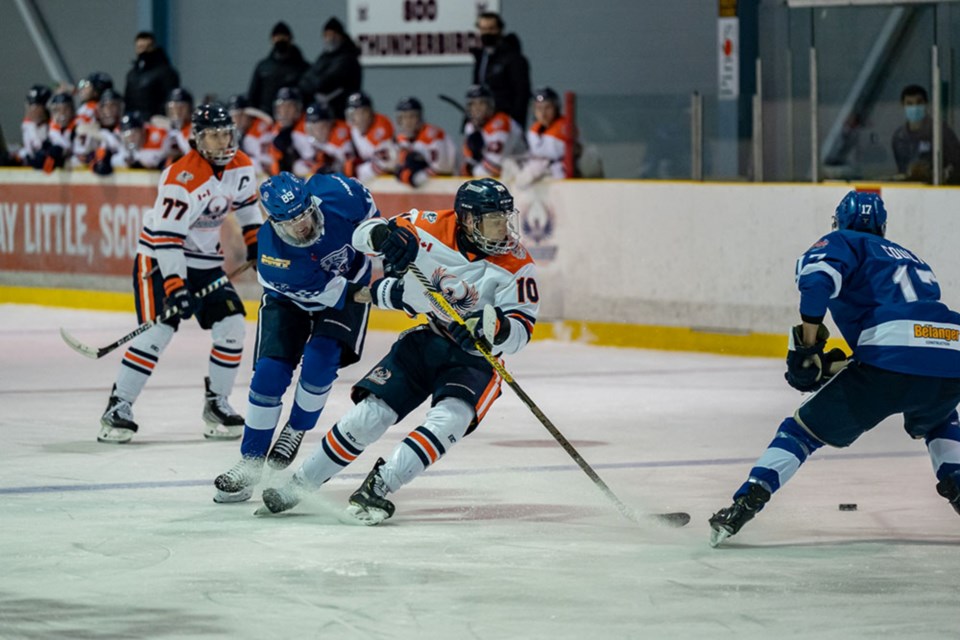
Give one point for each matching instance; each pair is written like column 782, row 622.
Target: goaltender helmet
column 861, row 211
column 210, row 121
column 487, row 216
column 294, row 214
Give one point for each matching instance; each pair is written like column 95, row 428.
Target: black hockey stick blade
column 452, row 102
column 675, row 519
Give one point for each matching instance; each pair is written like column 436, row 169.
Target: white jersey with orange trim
column 433, row 144
column 550, row 144
column 376, row 151
column 181, row 137
column 501, row 138
column 330, row 155
column 256, row 143
column 87, row 113
column 152, row 155
column 294, row 145
column 183, row 227
column 32, row 135
column 468, row 281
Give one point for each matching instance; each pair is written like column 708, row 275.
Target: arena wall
column 668, row 265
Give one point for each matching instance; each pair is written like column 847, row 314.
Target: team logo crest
column 337, row 261
column 184, row 177
column 430, row 216
column 461, row 295
column 380, row 375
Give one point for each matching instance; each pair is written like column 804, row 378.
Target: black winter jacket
column 277, row 70
column 338, row 69
column 508, row 76
column 150, row 82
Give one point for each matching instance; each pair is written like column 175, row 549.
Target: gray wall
column 619, row 47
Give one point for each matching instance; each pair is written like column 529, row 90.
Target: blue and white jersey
column 885, row 301
column 315, row 277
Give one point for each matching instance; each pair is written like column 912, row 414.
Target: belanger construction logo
column 936, row 333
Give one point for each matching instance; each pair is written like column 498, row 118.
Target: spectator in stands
column 336, row 74
column 913, row 141
column 372, row 137
column 35, row 128
column 152, row 78
column 500, row 64
column 425, row 149
column 283, row 67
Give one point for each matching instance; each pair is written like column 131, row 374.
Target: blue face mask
column 915, row 112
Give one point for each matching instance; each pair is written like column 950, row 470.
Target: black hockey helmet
column 409, row 104
column 291, row 94
column 98, row 81
column 479, row 92
column 546, row 94
column 179, row 94
column 318, row 112
column 486, row 197
column 109, row 95
column 359, row 99
column 238, row 102
column 210, row 118
column 132, row 120
column 39, row 94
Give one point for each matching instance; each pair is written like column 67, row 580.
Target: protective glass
column 496, row 233
column 218, row 144
column 303, row 230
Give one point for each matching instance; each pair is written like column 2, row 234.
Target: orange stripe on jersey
column 143, row 362
column 491, row 393
column 250, row 236
column 155, row 240
column 226, row 357
column 343, row 453
column 172, row 283
column 427, row 446
column 145, row 288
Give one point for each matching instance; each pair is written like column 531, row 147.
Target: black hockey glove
column 179, row 297
column 475, row 145
column 490, row 326
column 102, row 166
column 413, row 171
column 397, row 244
column 805, row 365
column 250, row 238
column 387, row 293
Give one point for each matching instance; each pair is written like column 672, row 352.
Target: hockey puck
column 848, row 506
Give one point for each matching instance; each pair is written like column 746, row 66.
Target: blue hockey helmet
column 861, row 211
column 486, row 214
column 294, row 213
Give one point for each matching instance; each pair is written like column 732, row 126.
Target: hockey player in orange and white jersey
column 89, row 91
column 548, row 136
column 58, row 149
column 141, row 146
column 254, row 127
column 330, row 139
column 489, row 135
column 35, row 127
column 178, row 254
column 472, row 254
column 372, row 136
column 425, row 150
column 290, row 142
column 179, row 107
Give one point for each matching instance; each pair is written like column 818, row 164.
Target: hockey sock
column 791, row 447
column 270, row 380
column 943, row 444
column 225, row 354
column 361, row 426
column 446, row 423
column 140, row 359
column 321, row 358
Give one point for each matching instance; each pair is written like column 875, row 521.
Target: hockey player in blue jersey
column 906, row 358
column 314, row 308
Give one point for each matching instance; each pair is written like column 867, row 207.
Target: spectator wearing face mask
column 499, row 63
column 913, row 141
column 336, row 74
column 283, row 67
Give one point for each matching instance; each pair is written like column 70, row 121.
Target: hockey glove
column 397, row 244
column 414, row 169
column 475, row 145
column 250, row 239
column 179, row 297
column 490, row 326
column 805, row 365
column 102, row 165
column 387, row 293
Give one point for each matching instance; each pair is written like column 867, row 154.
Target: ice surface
column 503, row 538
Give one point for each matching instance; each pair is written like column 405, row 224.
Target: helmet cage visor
column 303, row 230
column 218, row 144
column 496, row 232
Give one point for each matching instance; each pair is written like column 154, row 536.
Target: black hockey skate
column 285, row 448
column 236, row 485
column 369, row 503
column 729, row 521
column 283, row 498
column 222, row 422
column 948, row 489
column 116, row 424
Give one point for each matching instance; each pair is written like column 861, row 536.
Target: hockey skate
column 116, row 424
column 222, row 422
column 369, row 504
column 729, row 521
column 283, row 498
column 236, row 485
column 948, row 489
column 285, row 448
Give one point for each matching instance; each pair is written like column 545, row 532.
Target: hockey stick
column 96, row 354
column 677, row 519
column 452, row 102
